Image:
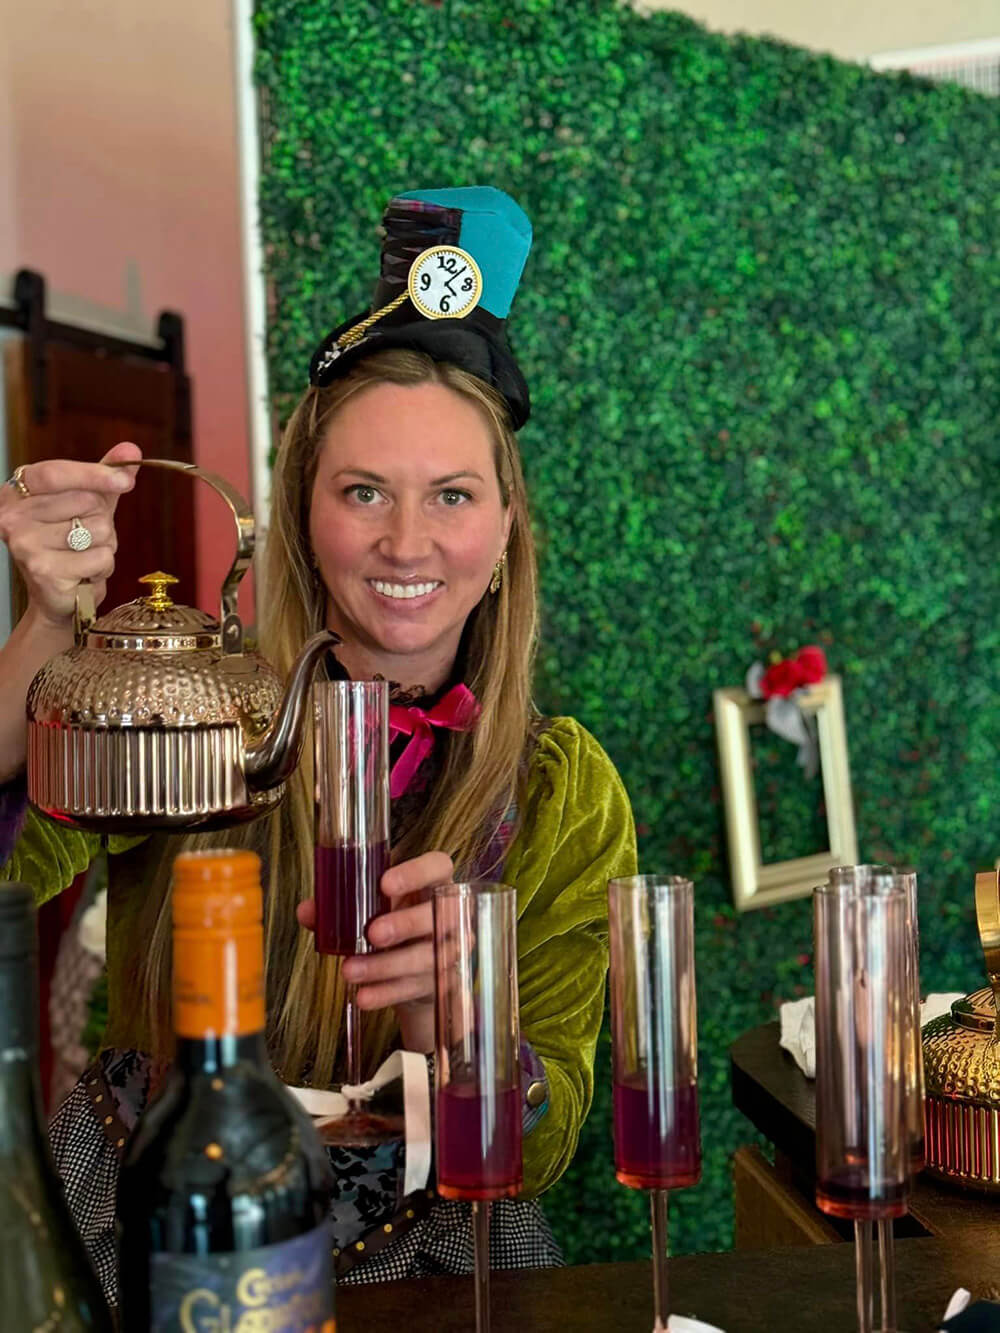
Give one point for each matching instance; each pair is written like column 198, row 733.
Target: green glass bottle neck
column 206, row 1055
column 21, row 1116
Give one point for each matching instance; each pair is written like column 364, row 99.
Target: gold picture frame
column 753, row 883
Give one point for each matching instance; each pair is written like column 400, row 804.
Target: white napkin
column 680, row 1323
column 412, row 1069
column 957, row 1304
column 798, row 1025
column 92, row 932
column 798, row 1033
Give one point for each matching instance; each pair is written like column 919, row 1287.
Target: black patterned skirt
column 378, row 1234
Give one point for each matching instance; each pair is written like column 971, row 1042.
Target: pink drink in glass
column 657, row 1140
column 347, row 893
column 479, row 1142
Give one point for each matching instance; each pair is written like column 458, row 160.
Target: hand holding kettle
column 57, row 518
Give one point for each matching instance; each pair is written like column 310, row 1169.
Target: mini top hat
column 451, row 262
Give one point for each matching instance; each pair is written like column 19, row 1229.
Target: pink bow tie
column 456, row 711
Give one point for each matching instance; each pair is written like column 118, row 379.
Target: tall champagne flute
column 654, row 1036
column 478, row 1100
column 351, row 733
column 864, row 1037
column 880, row 878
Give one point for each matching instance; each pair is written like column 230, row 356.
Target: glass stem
column 661, row 1299
column 887, row 1274
column 353, row 1016
column 481, row 1243
column 863, row 1265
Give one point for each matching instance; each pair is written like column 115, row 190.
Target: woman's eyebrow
column 362, row 472
column 376, row 479
column 454, row 476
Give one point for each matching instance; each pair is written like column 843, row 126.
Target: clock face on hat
column 445, row 282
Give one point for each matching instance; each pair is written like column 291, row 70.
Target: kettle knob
column 159, row 599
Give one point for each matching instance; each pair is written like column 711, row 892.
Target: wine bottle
column 45, row 1275
column 224, row 1189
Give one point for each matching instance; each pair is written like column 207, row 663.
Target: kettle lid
column 154, row 622
column 976, row 1012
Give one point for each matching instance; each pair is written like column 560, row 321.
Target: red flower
column 812, row 661
column 781, row 678
column 807, row 667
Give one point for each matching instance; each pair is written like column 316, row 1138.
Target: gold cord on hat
column 357, row 331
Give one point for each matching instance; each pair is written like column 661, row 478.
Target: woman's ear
column 508, row 523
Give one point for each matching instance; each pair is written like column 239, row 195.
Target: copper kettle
column 157, row 718
column 962, row 1067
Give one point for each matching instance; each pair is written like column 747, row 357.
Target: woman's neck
column 425, row 674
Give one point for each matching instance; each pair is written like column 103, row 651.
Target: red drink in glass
column 479, row 1142
column 654, row 1049
column 851, row 1194
column 347, row 879
column 657, row 1139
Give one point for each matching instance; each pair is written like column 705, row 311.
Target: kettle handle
column 988, row 920
column 229, row 620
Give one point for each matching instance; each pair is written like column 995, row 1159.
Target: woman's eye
column 365, row 495
column 454, row 498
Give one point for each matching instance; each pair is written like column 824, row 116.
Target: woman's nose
column 406, row 537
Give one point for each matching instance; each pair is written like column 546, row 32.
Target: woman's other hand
column 35, row 527
column 401, row 970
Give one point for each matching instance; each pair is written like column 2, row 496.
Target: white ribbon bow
column 784, row 716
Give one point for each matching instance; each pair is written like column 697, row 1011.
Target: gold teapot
column 157, row 718
column 962, row 1067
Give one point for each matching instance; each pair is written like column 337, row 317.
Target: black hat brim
column 477, row 347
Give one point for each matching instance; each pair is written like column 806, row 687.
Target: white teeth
column 403, row 590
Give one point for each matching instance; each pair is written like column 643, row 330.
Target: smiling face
column 406, row 523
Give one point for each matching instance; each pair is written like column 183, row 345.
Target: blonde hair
column 479, row 769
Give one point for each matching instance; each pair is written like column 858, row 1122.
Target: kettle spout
column 274, row 757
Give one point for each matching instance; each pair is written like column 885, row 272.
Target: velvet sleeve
column 576, row 833
column 48, row 856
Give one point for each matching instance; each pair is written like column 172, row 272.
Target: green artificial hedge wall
column 760, row 322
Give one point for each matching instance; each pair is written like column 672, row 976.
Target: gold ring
column 16, row 480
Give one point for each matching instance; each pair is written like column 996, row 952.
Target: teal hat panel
column 494, row 230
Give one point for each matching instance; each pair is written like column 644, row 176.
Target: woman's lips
column 416, row 591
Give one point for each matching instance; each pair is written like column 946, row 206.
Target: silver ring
column 79, row 538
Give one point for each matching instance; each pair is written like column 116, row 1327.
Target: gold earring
column 498, row 569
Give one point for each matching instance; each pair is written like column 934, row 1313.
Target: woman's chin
column 398, row 642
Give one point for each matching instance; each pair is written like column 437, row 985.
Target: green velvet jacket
column 575, row 833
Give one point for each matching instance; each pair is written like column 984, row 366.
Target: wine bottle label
column 283, row 1288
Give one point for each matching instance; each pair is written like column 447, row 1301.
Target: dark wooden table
column 808, row 1290
column 774, row 1094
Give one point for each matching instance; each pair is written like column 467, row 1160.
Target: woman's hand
column 401, row 970
column 35, row 527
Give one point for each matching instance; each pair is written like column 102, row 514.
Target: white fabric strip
column 412, row 1069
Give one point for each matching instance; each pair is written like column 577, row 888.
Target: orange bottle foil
column 219, row 945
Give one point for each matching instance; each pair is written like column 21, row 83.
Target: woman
column 399, row 519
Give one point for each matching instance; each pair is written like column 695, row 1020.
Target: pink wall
column 118, row 164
